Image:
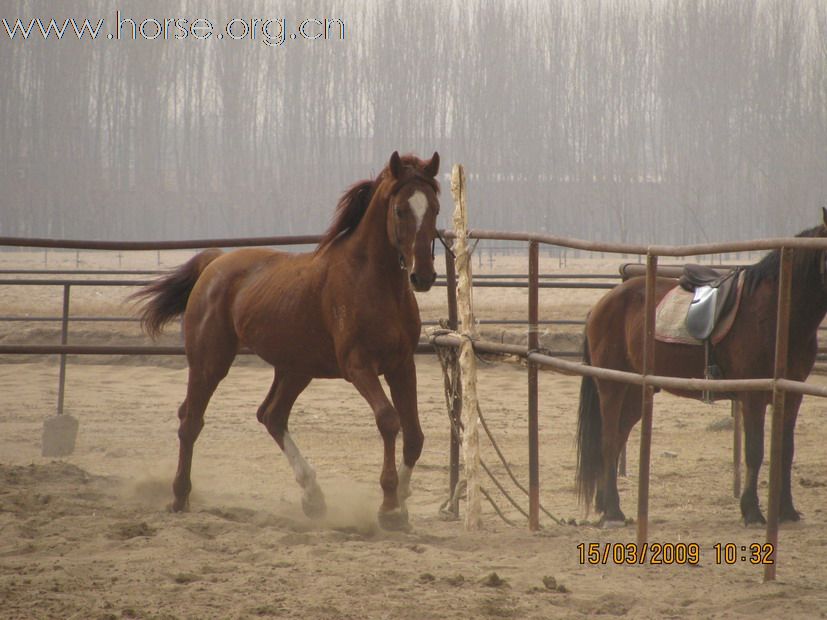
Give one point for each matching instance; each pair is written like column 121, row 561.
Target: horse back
column 614, row 326
column 615, row 336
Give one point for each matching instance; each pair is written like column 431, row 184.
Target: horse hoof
column 754, row 518
column 611, row 524
column 313, row 505
column 789, row 516
column 394, row 520
column 179, row 506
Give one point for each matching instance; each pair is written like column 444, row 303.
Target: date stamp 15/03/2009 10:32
column 655, row 553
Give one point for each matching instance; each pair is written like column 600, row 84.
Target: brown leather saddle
column 714, row 295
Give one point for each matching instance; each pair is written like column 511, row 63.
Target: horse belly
column 303, row 356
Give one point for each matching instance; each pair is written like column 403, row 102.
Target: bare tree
column 627, row 120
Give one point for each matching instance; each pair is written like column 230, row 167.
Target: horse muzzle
column 422, row 284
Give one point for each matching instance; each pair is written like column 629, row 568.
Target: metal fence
column 778, row 384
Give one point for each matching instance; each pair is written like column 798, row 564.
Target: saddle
column 714, row 295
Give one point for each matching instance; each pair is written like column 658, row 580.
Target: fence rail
column 193, row 244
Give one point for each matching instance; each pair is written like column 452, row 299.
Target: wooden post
column 533, row 417
column 648, row 399
column 456, row 403
column 467, row 361
column 782, row 333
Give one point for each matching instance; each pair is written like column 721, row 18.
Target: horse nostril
column 421, row 284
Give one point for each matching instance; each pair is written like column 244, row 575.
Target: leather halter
column 402, row 264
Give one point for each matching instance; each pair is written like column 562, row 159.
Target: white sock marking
column 403, row 491
column 305, row 475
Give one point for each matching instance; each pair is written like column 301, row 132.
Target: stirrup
column 711, row 372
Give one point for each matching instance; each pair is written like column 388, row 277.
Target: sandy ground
column 89, row 536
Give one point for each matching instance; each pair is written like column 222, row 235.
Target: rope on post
column 447, row 356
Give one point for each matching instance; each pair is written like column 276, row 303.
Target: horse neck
column 808, row 304
column 370, row 239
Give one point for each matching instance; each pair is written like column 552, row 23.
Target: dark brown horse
column 345, row 310
column 614, row 339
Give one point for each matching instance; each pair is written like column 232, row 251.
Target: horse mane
column 805, row 263
column 349, row 212
column 353, row 204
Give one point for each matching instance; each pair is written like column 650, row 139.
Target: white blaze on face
column 419, row 205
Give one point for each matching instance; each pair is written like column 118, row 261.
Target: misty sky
column 644, row 121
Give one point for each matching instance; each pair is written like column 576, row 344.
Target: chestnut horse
column 345, row 310
column 614, row 339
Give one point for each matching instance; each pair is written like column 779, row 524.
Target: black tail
column 589, row 436
column 167, row 297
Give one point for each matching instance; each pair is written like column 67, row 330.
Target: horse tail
column 166, row 298
column 589, row 436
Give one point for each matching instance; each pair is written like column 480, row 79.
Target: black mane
column 805, row 263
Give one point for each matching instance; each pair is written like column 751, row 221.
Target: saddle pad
column 670, row 317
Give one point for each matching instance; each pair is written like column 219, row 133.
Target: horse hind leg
column 204, row 377
column 274, row 413
column 211, row 346
column 629, row 415
column 613, row 399
column 753, row 410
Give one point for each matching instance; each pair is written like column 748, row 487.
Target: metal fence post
column 533, row 421
column 64, row 339
column 648, row 399
column 782, row 333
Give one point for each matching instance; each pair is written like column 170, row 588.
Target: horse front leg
column 366, row 381
column 754, row 408
column 787, row 511
column 402, row 383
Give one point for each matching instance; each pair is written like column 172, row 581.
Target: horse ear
column 395, row 165
column 432, row 167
